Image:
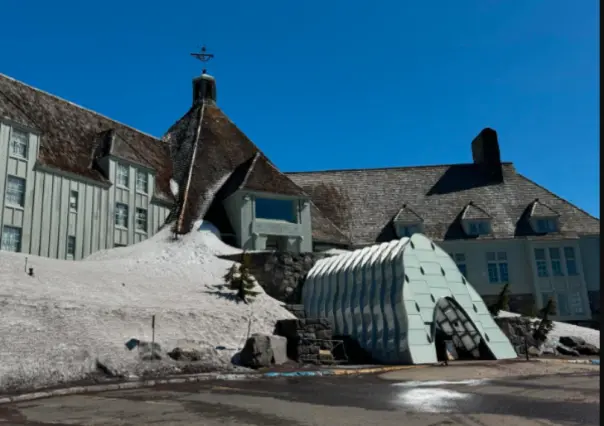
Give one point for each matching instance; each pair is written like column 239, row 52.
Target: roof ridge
column 473, row 205
column 409, row 209
column 537, row 202
column 249, row 169
column 78, row 106
column 557, row 196
column 504, row 163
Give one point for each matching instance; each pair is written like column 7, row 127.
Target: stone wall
column 519, row 303
column 281, row 275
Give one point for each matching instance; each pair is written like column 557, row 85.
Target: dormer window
column 475, row 220
column 543, row 218
column 479, row 227
column 407, row 222
column 408, row 229
column 546, row 225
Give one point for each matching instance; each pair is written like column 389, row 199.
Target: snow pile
column 56, row 324
column 562, row 329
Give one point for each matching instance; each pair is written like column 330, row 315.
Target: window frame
column 406, row 230
column 571, row 260
column 118, row 207
column 295, row 209
column 19, row 241
column 545, row 225
column 69, row 255
column 541, row 262
column 497, row 267
column 460, row 261
column 139, row 174
column 138, row 211
column 476, row 228
column 119, row 176
column 9, row 203
column 25, row 144
column 74, row 195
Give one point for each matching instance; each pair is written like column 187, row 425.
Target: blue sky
column 338, row 84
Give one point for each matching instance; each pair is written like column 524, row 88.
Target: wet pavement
column 369, row 400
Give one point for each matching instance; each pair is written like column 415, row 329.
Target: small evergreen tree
column 503, row 301
column 545, row 325
column 239, row 279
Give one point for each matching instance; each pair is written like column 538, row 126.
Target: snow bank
column 56, row 324
column 562, row 329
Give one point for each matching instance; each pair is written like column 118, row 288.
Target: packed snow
column 562, row 329
column 58, row 323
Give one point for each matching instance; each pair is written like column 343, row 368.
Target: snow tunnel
column 392, row 297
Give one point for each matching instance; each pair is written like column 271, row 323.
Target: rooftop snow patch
column 56, row 324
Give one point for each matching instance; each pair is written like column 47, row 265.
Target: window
column 407, row 230
column 576, row 303
column 142, row 181
column 71, row 244
column 141, row 220
column 562, row 306
column 121, row 215
column 546, row 225
column 554, row 257
column 275, row 209
column 541, row 263
column 478, row 227
column 123, row 175
column 73, row 201
column 19, row 142
column 460, row 261
column 11, row 239
column 571, row 262
column 497, row 267
column 15, row 191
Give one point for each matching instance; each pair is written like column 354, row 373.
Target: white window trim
column 18, row 242
column 9, row 203
column 497, row 262
column 468, row 223
column 118, row 175
column 146, row 175
column 68, row 255
column 136, row 220
column 27, row 143
column 127, row 215
column 75, row 194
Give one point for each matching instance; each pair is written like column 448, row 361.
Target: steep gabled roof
column 407, row 215
column 225, row 161
column 538, row 209
column 73, row 136
column 474, row 212
column 438, row 194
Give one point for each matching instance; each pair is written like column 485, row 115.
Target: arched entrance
column 451, row 320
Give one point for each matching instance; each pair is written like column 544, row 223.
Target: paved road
column 544, row 400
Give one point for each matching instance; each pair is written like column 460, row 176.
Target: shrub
column 239, row 279
column 545, row 325
column 502, row 303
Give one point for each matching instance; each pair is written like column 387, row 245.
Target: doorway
column 452, row 323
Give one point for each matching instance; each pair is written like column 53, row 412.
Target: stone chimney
column 485, row 152
column 204, row 89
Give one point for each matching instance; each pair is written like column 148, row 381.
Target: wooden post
column 526, row 348
column 152, row 337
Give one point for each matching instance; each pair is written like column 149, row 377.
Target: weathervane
column 203, row 56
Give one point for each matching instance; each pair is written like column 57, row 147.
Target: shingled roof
column 226, row 160
column 439, row 195
column 73, row 136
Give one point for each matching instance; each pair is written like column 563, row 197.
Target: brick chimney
column 485, row 152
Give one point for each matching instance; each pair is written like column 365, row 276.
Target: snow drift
column 58, row 323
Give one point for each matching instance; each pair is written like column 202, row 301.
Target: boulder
column 587, row 349
column 185, row 354
column 534, row 351
column 262, row 350
column 572, row 341
column 279, row 347
column 565, row 350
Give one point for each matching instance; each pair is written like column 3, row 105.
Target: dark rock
column 565, row 350
column 587, row 349
column 572, row 341
column 257, row 352
column 185, row 354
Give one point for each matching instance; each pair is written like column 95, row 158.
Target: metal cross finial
column 203, row 56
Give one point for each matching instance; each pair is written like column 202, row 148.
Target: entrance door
column 452, row 320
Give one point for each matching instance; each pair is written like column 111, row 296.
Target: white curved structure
column 390, row 297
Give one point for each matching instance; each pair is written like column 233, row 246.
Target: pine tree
column 240, row 279
column 503, row 301
column 545, row 325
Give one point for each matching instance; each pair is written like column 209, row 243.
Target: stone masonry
column 306, row 338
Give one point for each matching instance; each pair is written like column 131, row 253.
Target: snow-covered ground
column 56, row 324
column 562, row 329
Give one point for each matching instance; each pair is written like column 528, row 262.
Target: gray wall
column 252, row 232
column 46, row 219
column 522, row 269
